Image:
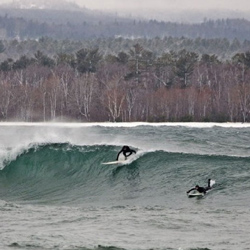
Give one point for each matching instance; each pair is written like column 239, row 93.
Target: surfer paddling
column 124, row 153
column 202, row 190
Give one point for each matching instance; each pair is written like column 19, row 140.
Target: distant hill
column 186, row 16
column 58, row 12
column 27, row 19
column 91, row 28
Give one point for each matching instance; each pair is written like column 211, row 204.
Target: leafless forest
column 134, row 86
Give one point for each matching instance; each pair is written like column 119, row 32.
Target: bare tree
column 244, row 100
column 6, row 96
column 83, row 94
column 114, row 98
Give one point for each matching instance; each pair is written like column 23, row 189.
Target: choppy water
column 56, row 194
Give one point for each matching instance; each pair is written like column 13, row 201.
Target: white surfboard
column 122, row 160
column 195, row 193
column 113, row 162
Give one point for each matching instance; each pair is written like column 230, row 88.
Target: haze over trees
column 12, row 27
column 123, row 70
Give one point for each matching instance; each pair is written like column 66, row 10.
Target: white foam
column 129, row 124
column 212, row 182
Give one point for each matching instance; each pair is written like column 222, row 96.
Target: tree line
column 138, row 85
column 221, row 47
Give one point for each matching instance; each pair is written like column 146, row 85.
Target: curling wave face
column 64, row 173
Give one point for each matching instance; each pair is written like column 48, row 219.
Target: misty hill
column 21, row 28
column 57, row 12
column 16, row 9
column 27, row 19
column 186, row 16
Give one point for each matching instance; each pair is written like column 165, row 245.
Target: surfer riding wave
column 124, row 153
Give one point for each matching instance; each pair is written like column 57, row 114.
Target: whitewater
column 55, row 193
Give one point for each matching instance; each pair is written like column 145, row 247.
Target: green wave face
column 68, row 174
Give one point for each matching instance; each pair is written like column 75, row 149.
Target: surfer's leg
column 208, row 184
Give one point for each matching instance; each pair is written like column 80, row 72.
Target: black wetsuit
column 201, row 189
column 126, row 151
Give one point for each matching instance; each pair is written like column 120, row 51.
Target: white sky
column 241, row 5
column 165, row 4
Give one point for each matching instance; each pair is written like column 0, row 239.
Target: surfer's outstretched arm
column 130, row 153
column 190, row 190
column 198, row 188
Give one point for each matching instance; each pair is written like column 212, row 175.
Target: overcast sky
column 160, row 4
column 165, row 4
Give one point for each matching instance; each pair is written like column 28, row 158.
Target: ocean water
column 55, row 193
